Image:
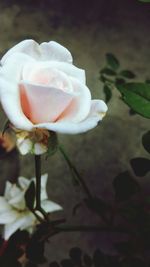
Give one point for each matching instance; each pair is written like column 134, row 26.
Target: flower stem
column 75, row 172
column 38, row 187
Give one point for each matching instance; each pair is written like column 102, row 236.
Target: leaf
column 120, row 81
column 127, row 74
column 137, row 97
column 107, row 92
column 87, row 260
column 147, row 81
column 125, row 186
column 30, row 196
column 140, row 166
column 108, row 71
column 67, row 263
column 52, row 144
column 146, row 141
column 112, row 61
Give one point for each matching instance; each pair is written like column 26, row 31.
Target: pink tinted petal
column 68, row 69
column 10, row 101
column 96, row 114
column 81, row 104
column 29, row 47
column 41, row 103
column 55, row 51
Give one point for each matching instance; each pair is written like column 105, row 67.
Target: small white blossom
column 14, row 214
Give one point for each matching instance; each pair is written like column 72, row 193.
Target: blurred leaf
column 137, row 97
column 147, row 81
column 125, row 186
column 120, row 81
column 87, row 260
column 52, row 144
column 67, row 263
column 76, row 255
column 146, row 141
column 30, row 196
column 112, row 61
column 127, row 74
column 132, row 112
column 140, row 166
column 108, row 71
column 98, row 259
column 107, row 92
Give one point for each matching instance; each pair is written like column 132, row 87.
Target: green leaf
column 147, row 80
column 127, row 74
column 120, row 81
column 108, row 71
column 108, row 93
column 52, row 144
column 112, row 61
column 146, row 141
column 141, row 166
column 125, row 186
column 137, row 97
column 30, row 196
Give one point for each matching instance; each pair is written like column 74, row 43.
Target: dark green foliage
column 111, row 75
column 127, row 74
column 141, row 166
column 146, row 141
column 112, row 61
column 125, row 186
column 30, row 196
column 137, row 97
column 107, row 92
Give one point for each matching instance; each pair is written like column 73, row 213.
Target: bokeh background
column 89, row 29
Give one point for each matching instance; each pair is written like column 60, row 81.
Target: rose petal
column 97, row 112
column 29, row 47
column 69, row 69
column 12, row 68
column 22, row 222
column 53, row 102
column 4, row 206
column 23, row 182
column 45, row 51
column 8, row 216
column 50, row 206
column 10, row 100
column 80, row 105
column 55, row 51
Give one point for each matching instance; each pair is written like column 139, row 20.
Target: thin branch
column 74, row 171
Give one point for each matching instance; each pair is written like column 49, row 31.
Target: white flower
column 41, row 88
column 13, row 211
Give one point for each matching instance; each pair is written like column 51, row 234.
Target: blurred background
column 89, row 29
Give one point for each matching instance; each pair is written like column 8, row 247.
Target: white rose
column 13, row 211
column 41, row 88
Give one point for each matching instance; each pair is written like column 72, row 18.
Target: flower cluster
column 14, row 213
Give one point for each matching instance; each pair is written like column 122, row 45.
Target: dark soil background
column 89, row 29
